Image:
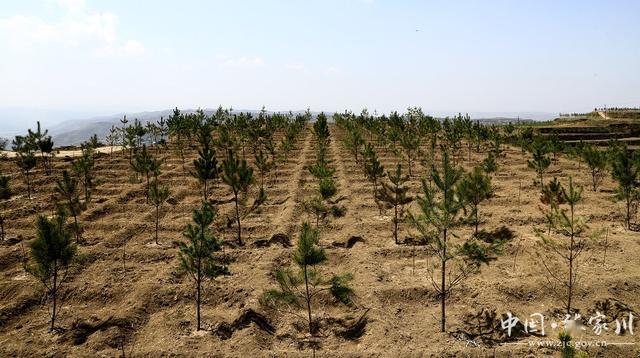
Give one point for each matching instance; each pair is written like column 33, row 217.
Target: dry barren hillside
column 125, row 293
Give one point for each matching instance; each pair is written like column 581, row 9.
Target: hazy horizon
column 16, row 121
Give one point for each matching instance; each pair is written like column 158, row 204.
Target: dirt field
column 146, row 299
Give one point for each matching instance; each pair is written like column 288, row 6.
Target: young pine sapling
column 158, row 194
column 67, row 189
column 25, row 159
column 625, row 170
column 52, row 253
column 540, row 162
column 571, row 227
column 298, row 288
column 206, row 165
column 197, row 256
column 394, row 195
column 83, row 166
column 373, row 169
column 474, row 188
column 597, row 162
column 264, row 165
column 238, row 175
column 5, row 194
column 439, row 209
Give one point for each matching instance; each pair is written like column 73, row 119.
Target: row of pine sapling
column 58, row 237
column 447, row 192
column 449, row 196
column 199, row 256
column 55, row 246
column 321, row 205
column 568, row 236
column 617, row 158
column 298, row 288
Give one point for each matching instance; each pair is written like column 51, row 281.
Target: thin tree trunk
column 86, row 190
column 184, row 170
column 238, row 221
column 157, row 220
column 571, row 258
column 29, row 186
column 77, row 229
column 198, row 283
column 443, row 284
column 628, row 211
column 395, row 224
column 44, row 163
column 75, row 220
column 147, row 191
column 606, row 245
column 476, row 219
column 308, row 299
column 54, row 293
column 375, row 190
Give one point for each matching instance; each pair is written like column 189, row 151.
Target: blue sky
column 445, row 56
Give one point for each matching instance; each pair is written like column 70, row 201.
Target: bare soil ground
column 145, row 298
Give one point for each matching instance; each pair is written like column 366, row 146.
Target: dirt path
column 284, row 221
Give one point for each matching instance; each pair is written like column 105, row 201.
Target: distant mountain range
column 75, row 131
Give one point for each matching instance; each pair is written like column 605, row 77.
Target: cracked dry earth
column 145, row 299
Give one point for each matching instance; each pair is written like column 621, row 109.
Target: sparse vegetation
column 197, row 256
column 394, row 194
column 297, row 289
column 52, row 253
column 145, row 163
column 474, row 188
column 158, row 194
column 373, row 168
column 325, row 170
column 5, row 194
column 566, row 223
column 540, row 162
column 83, row 167
column 206, row 165
column 625, row 170
column 439, row 210
column 67, row 189
column 238, row 175
column 25, row 159
column 596, row 160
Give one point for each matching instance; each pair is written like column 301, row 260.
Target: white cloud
column 243, row 62
column 298, row 67
column 72, row 6
column 133, row 48
column 75, row 28
column 331, row 70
